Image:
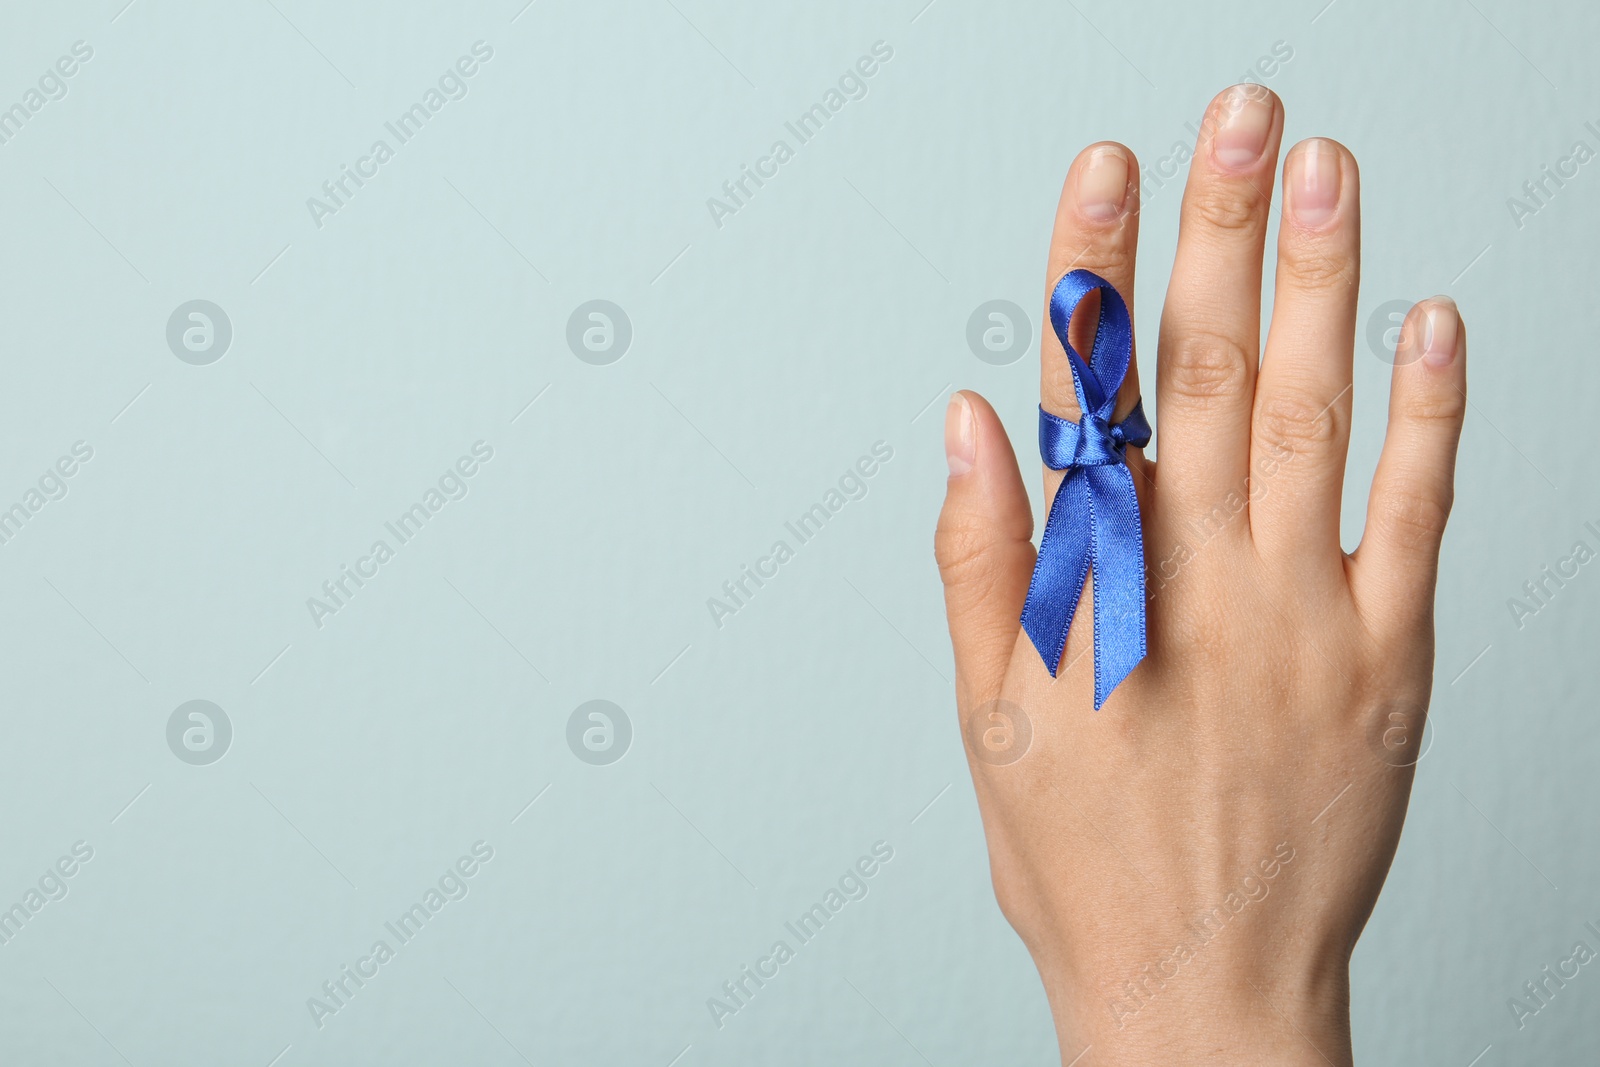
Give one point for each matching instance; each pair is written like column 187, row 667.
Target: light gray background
column 768, row 354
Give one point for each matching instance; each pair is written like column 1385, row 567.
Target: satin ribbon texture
column 1094, row 519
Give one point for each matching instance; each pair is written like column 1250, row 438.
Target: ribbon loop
column 1094, row 519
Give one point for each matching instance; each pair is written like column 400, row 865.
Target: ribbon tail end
column 1050, row 656
column 1104, row 684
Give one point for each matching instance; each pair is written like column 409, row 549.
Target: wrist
column 1209, row 1019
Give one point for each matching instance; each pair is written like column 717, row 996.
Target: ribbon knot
column 1094, row 518
column 1099, row 442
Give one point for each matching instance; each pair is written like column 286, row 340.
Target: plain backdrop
column 769, row 349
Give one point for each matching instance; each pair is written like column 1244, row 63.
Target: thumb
column 983, row 544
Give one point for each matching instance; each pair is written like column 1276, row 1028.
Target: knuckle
column 1413, row 519
column 1206, row 366
column 1228, row 206
column 1014, row 888
column 1013, row 899
column 1109, row 254
column 1308, row 264
column 1443, row 408
column 1296, row 422
column 962, row 552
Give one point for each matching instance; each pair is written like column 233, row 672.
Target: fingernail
column 1243, row 127
column 1314, row 183
column 1439, row 332
column 1103, row 185
column 960, row 445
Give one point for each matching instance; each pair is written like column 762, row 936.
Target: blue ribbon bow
column 1094, row 519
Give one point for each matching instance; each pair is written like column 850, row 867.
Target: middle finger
column 1211, row 325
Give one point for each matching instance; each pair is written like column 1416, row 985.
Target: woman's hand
column 1191, row 866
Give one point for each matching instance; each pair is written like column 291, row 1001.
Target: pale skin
column 1139, row 851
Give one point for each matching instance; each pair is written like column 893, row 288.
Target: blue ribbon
column 1094, row 519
